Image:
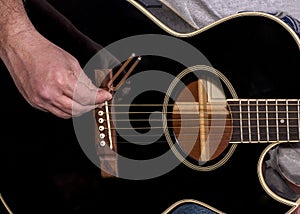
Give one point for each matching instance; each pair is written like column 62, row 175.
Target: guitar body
column 258, row 58
column 248, row 56
column 253, row 55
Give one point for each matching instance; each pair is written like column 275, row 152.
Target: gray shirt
column 200, row 13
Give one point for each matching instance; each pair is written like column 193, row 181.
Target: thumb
column 102, row 96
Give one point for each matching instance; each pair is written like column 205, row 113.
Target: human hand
column 49, row 78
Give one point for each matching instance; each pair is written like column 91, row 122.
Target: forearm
column 48, row 21
column 13, row 20
column 46, row 75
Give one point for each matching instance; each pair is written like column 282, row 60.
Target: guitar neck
column 265, row 120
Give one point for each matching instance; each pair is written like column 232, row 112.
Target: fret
column 246, row 135
column 282, row 120
column 249, row 120
column 298, row 110
column 257, row 116
column 234, row 106
column 262, row 125
column 287, row 120
column 254, row 121
column 272, row 120
column 241, row 121
column 293, row 120
column 277, row 123
column 267, row 120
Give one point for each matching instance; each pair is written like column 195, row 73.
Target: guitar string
column 291, row 129
column 191, row 130
column 245, row 139
column 259, row 125
column 279, row 117
column 193, row 113
column 140, row 139
column 193, row 134
column 217, row 129
column 197, row 113
column 206, row 105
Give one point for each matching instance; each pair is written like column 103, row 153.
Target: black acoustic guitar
column 249, row 60
column 200, row 116
column 199, row 113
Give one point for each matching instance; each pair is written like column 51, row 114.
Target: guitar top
column 245, row 55
column 252, row 57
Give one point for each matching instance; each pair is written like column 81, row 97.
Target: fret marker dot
column 282, row 121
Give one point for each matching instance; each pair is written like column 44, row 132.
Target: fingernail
column 109, row 96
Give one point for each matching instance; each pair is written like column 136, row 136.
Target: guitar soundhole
column 202, row 126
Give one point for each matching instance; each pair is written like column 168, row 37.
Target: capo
column 122, row 68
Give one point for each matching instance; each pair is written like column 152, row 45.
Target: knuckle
column 73, row 62
column 60, row 80
column 36, row 101
column 44, row 94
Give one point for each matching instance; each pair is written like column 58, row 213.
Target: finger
column 51, row 107
column 57, row 111
column 87, row 95
column 78, row 109
column 67, row 108
column 71, row 107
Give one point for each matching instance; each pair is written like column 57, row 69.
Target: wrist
column 13, row 21
column 13, row 36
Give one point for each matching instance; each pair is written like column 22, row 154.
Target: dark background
column 44, row 170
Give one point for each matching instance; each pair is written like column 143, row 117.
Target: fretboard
column 265, row 120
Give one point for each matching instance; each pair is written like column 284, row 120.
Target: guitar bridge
column 105, row 131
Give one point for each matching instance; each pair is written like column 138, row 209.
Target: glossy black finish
column 43, row 169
